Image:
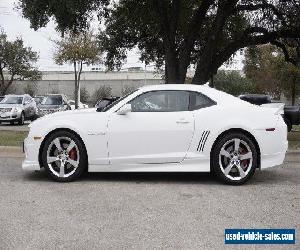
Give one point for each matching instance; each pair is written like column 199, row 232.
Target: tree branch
column 285, row 51
column 262, row 6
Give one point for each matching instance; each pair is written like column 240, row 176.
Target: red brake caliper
column 244, row 163
column 73, row 154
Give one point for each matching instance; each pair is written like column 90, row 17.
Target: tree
column 267, row 67
column 232, row 82
column 178, row 33
column 205, row 33
column 78, row 49
column 16, row 62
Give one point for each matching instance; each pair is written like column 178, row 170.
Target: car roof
column 214, row 94
column 17, row 95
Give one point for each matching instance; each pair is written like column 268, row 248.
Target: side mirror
column 124, row 110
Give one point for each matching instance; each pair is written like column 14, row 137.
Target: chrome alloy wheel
column 235, row 159
column 63, row 157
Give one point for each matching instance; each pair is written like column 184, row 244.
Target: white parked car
column 80, row 105
column 163, row 128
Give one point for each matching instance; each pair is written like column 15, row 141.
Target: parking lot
column 141, row 211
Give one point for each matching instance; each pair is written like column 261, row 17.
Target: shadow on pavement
column 270, row 177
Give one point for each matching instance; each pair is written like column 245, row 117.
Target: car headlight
column 16, row 110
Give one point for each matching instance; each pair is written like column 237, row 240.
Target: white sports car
column 163, row 128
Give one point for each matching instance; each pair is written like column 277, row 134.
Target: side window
column 199, row 101
column 161, row 101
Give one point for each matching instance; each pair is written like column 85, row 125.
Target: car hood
column 4, row 105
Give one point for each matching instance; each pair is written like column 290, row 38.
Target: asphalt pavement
column 142, row 211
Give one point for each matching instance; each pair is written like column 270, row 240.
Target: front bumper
column 31, row 149
column 10, row 117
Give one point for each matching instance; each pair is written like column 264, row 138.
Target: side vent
column 203, row 140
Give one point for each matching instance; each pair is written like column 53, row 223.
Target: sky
column 41, row 41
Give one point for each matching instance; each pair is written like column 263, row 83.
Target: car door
column 158, row 129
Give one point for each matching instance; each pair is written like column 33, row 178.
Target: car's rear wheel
column 234, row 158
column 64, row 156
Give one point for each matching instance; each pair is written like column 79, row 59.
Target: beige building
column 63, row 81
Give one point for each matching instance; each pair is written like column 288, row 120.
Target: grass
column 15, row 138
column 12, row 138
column 294, row 138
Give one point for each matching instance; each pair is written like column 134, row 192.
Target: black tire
column 288, row 124
column 216, row 168
column 83, row 162
column 33, row 118
column 22, row 119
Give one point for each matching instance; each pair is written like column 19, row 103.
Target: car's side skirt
column 186, row 166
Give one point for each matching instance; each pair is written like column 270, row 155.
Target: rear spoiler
column 278, row 108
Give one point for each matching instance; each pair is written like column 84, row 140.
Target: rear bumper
column 273, row 144
column 272, row 160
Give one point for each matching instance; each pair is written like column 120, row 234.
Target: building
column 63, row 81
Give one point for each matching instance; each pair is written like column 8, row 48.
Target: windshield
column 38, row 99
column 52, row 100
column 12, row 100
column 116, row 102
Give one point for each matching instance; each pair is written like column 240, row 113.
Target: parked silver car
column 17, row 108
column 53, row 103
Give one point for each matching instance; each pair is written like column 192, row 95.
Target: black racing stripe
column 201, row 140
column 204, row 141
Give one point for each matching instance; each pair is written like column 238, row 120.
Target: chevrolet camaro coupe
column 162, row 128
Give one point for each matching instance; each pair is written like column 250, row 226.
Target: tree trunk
column 175, row 71
column 202, row 74
column 294, row 91
column 76, row 85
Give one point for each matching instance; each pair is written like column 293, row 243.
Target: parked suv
column 17, row 108
column 53, row 103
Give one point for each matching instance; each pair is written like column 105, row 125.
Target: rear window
column 52, row 100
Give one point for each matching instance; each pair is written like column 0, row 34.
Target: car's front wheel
column 64, row 156
column 22, row 119
column 234, row 158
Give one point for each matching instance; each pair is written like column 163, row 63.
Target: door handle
column 182, row 121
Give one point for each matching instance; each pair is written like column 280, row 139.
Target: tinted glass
column 52, row 100
column 199, row 101
column 161, row 101
column 12, row 100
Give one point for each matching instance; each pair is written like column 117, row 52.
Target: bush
column 101, row 92
column 30, row 89
column 84, row 95
column 127, row 89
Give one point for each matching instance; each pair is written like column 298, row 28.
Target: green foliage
column 267, row 68
column 232, row 82
column 174, row 33
column 84, row 95
column 78, row 49
column 82, row 49
column 70, row 15
column 101, row 92
column 17, row 60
